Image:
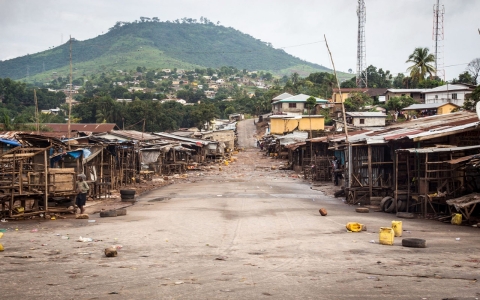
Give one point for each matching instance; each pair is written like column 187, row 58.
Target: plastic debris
column 3, row 221
column 34, row 230
column 84, row 239
column 457, row 239
column 372, row 241
column 65, row 237
column 91, row 221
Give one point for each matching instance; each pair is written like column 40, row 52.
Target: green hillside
column 158, row 45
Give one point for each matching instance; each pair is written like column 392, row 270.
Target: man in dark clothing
column 335, row 169
column 82, row 190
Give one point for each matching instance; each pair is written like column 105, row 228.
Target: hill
column 182, row 45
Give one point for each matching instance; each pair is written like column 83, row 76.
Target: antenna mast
column 361, row 47
column 438, row 36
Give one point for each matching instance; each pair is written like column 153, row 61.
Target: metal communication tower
column 361, row 48
column 438, row 36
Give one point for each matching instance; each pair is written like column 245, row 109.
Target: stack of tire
column 388, row 205
column 127, row 195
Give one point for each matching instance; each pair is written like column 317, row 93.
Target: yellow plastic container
column 354, row 226
column 386, row 236
column 1, row 234
column 457, row 219
column 397, row 228
column 1, row 248
column 226, row 162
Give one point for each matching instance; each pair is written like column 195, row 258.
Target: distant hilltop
column 185, row 44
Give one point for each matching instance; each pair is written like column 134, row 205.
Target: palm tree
column 422, row 63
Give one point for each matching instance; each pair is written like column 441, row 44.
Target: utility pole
column 37, row 126
column 70, row 97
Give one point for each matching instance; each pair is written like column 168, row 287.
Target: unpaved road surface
column 246, row 134
column 245, row 232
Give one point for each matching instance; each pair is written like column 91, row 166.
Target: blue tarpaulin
column 10, row 142
column 75, row 154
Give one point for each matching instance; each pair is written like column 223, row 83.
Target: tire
column 401, row 205
column 108, row 213
column 362, row 210
column 121, row 212
column 127, row 192
column 390, row 206
column 405, row 215
column 382, row 203
column 414, row 243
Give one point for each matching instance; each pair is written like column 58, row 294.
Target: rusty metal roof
column 135, row 135
column 92, row 127
column 417, row 129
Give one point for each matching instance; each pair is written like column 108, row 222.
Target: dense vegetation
column 182, row 43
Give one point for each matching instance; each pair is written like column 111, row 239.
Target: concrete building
column 448, row 93
column 284, row 124
column 416, row 94
column 366, row 119
column 294, row 105
column 431, row 108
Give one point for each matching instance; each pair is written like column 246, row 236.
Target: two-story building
column 448, row 93
column 416, row 94
column 294, row 105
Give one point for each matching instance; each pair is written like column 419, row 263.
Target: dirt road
column 246, row 134
column 245, row 232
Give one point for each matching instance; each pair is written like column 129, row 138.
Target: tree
column 465, row 77
column 398, row 81
column 357, row 102
column 474, row 69
column 471, row 102
column 378, row 79
column 399, row 103
column 310, row 104
column 422, row 64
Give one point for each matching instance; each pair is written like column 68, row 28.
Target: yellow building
column 432, row 108
column 284, row 124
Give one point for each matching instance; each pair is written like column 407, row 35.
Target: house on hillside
column 281, row 97
column 294, row 105
column 416, row 94
column 282, row 124
column 448, row 93
column 422, row 110
column 340, row 95
column 366, row 119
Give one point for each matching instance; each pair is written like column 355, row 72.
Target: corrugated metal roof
column 435, row 149
column 448, row 87
column 406, row 90
column 366, row 114
column 131, row 135
column 92, row 127
column 182, row 138
column 291, row 138
column 282, row 96
column 442, row 132
column 299, row 98
column 426, row 106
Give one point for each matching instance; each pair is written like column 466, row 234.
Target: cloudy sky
column 393, row 29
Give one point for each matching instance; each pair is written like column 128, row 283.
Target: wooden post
column 370, row 173
column 45, row 161
column 426, row 186
column 408, row 181
column 395, row 196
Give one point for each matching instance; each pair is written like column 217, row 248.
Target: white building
column 448, row 93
